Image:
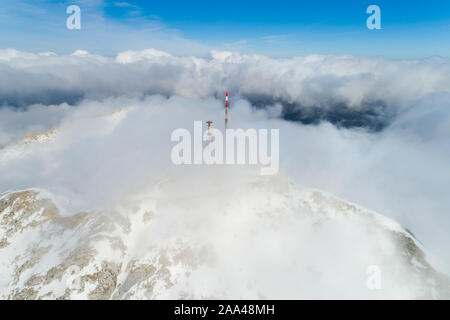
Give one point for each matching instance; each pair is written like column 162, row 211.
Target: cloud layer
column 344, row 90
column 110, row 121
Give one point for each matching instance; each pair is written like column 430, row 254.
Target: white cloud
column 320, row 81
column 124, row 5
column 117, row 137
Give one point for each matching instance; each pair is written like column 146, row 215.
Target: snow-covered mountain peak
column 264, row 238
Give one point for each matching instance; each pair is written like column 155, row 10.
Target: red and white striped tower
column 226, row 109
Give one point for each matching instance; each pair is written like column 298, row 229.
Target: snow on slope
column 35, row 142
column 183, row 232
column 26, row 144
column 263, row 238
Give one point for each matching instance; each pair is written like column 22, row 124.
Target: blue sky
column 410, row 29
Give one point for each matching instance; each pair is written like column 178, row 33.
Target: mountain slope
column 263, row 238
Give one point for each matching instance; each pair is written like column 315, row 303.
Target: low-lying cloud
column 345, row 90
column 113, row 118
